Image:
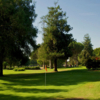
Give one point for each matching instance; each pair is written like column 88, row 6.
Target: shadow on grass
column 62, row 78
column 11, row 97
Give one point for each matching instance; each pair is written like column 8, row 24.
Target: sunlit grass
column 68, row 83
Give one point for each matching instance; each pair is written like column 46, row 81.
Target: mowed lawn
column 66, row 84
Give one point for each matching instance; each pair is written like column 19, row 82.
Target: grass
column 67, row 84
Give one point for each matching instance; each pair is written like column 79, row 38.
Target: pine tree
column 55, row 37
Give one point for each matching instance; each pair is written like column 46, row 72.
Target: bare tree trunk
column 50, row 64
column 55, row 65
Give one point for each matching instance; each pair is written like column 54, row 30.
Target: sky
column 83, row 16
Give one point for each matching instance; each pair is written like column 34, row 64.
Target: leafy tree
column 16, row 28
column 42, row 55
column 56, row 38
column 87, row 51
column 34, row 54
column 96, row 52
column 77, row 47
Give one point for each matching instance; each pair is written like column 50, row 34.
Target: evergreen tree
column 55, row 37
column 87, row 51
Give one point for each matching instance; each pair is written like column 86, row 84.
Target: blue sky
column 83, row 16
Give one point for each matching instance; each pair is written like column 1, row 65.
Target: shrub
column 10, row 68
column 32, row 67
column 93, row 63
column 19, row 69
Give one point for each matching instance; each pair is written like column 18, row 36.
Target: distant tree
column 77, row 47
column 42, row 55
column 4, row 64
column 96, row 52
column 16, row 28
column 34, row 54
column 87, row 44
column 55, row 37
column 87, row 50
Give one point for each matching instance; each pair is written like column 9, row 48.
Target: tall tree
column 87, row 50
column 16, row 28
column 56, row 38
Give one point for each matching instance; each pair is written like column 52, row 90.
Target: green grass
column 67, row 84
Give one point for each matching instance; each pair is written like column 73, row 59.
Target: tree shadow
column 71, row 77
column 62, row 78
column 11, row 97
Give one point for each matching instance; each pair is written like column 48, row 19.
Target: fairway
column 66, row 84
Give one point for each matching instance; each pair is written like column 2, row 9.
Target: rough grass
column 67, row 84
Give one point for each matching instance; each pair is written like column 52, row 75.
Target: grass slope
column 67, row 84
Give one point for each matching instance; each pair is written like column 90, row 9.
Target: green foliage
column 76, row 48
column 87, row 51
column 34, row 54
column 55, row 37
column 5, row 64
column 93, row 63
column 87, row 44
column 96, row 52
column 32, row 67
column 19, row 69
column 17, row 32
column 39, row 62
column 83, row 57
column 9, row 68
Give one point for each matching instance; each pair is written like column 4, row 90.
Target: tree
column 42, row 55
column 55, row 37
column 96, row 52
column 16, row 28
column 77, row 47
column 87, row 50
column 87, row 44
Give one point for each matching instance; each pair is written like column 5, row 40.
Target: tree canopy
column 16, row 28
column 76, row 48
column 87, row 50
column 96, row 52
column 56, row 37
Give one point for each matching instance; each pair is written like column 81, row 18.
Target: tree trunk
column 50, row 64
column 4, row 66
column 1, row 67
column 65, row 63
column 55, row 65
column 43, row 65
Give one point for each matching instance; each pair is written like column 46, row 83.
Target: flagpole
column 45, row 79
column 45, row 75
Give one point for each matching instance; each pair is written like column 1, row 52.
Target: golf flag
column 45, row 68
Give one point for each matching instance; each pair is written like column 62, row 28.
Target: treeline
column 17, row 37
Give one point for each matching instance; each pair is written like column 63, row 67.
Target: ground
column 66, row 84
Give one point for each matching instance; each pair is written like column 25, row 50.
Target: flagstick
column 45, row 79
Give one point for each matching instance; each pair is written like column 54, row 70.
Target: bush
column 93, row 63
column 10, row 68
column 32, row 67
column 19, row 69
